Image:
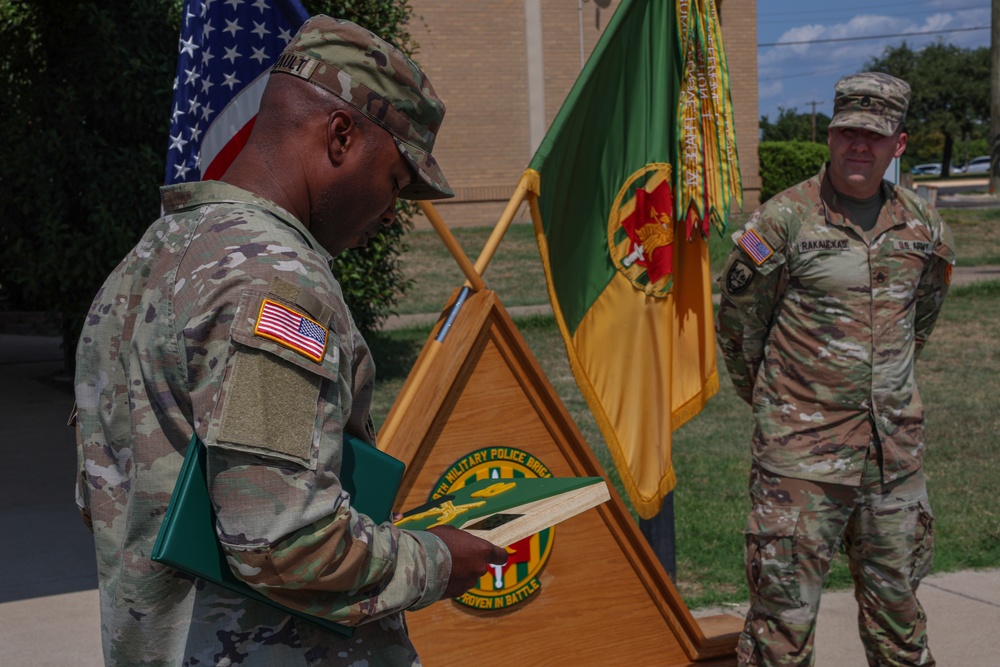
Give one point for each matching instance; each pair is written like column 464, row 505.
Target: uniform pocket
column 923, row 544
column 771, row 558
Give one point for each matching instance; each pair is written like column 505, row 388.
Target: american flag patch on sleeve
column 755, row 247
column 292, row 329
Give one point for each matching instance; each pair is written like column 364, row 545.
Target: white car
column 978, row 165
column 932, row 169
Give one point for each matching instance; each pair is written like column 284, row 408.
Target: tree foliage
column 950, row 94
column 794, row 126
column 787, row 163
column 85, row 95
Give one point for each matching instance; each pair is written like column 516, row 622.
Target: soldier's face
column 363, row 200
column 859, row 158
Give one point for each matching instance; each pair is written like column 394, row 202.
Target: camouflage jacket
column 820, row 324
column 176, row 340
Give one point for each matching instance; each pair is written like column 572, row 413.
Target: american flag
column 291, row 329
column 755, row 246
column 225, row 52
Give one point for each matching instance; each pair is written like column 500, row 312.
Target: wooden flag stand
column 588, row 591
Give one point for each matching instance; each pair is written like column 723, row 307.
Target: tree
column 950, row 92
column 85, row 94
column 794, row 126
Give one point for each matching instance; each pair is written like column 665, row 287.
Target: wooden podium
column 602, row 597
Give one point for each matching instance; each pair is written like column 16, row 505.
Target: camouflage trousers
column 795, row 528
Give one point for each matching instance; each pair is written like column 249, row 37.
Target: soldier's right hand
column 471, row 558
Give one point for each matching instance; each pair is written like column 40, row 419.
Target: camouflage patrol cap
column 871, row 101
column 376, row 78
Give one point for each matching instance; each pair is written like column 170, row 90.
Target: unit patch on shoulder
column 292, row 329
column 739, row 276
column 754, row 246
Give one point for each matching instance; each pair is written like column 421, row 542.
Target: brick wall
column 739, row 35
column 475, row 53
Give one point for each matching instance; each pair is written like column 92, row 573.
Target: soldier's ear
column 342, row 134
column 900, row 144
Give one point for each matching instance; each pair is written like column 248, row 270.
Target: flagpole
column 474, row 277
column 659, row 533
column 503, row 224
column 475, row 281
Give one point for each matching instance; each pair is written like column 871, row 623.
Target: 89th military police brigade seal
column 504, row 585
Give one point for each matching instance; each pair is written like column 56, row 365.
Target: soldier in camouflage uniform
column 178, row 340
column 827, row 299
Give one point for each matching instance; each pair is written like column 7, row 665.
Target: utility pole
column 814, row 109
column 995, row 100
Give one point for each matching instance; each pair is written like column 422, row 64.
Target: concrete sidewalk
column 48, row 600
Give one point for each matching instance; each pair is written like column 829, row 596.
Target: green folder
column 187, row 539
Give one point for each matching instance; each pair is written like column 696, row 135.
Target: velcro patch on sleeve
column 755, row 246
column 292, row 329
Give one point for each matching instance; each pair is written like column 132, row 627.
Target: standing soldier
column 225, row 320
column 827, row 300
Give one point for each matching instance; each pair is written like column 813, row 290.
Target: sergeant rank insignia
column 516, row 580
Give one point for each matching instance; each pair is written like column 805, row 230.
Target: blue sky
column 796, row 75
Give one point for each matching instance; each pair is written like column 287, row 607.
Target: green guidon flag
column 638, row 163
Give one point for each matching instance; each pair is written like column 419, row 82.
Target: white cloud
column 770, row 89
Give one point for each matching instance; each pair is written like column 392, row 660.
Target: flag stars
column 206, row 56
column 206, row 111
column 261, row 5
column 231, row 54
column 231, row 80
column 206, row 83
column 234, row 3
column 182, row 170
column 258, row 55
column 207, row 29
column 188, row 46
column 260, row 30
column 175, row 114
column 192, row 76
column 232, row 26
column 177, row 142
column 285, row 34
column 193, row 105
column 195, row 133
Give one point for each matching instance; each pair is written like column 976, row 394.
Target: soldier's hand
column 471, row 558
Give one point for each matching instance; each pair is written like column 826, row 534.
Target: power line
column 828, row 70
column 810, row 15
column 869, row 7
column 858, row 39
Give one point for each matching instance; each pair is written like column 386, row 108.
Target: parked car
column 933, row 169
column 978, row 165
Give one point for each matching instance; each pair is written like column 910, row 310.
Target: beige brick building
column 503, row 68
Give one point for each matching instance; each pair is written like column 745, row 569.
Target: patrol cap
column 376, row 78
column 871, row 101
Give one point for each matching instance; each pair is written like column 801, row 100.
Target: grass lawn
column 959, row 376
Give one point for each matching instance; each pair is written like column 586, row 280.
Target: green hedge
column 785, row 163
